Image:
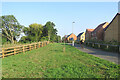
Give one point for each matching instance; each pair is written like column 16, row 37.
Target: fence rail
column 108, row 47
column 18, row 49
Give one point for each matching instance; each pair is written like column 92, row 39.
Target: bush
column 113, row 42
column 44, row 39
column 110, row 48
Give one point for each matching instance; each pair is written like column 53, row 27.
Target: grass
column 51, row 62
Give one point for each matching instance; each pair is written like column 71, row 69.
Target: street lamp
column 72, row 36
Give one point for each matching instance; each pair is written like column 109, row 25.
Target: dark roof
column 99, row 26
column 69, row 35
column 80, row 34
column 111, row 21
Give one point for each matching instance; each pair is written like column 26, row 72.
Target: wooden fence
column 108, row 47
column 23, row 48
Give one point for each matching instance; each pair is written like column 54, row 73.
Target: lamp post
column 72, row 36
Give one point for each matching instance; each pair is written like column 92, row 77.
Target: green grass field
column 51, row 62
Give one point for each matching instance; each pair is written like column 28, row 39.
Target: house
column 81, row 36
column 112, row 31
column 88, row 34
column 71, row 37
column 64, row 38
column 98, row 32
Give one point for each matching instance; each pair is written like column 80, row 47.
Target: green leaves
column 33, row 32
column 37, row 32
column 11, row 28
column 50, row 30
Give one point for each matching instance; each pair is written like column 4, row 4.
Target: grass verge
column 51, row 62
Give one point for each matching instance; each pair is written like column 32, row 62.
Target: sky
column 86, row 15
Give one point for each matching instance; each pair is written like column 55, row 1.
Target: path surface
column 110, row 56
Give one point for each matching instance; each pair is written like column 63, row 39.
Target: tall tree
column 58, row 38
column 49, row 27
column 33, row 32
column 11, row 28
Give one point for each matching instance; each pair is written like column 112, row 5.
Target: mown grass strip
column 51, row 62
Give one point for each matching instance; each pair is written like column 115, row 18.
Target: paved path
column 110, row 56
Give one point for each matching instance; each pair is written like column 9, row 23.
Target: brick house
column 64, row 38
column 71, row 36
column 112, row 31
column 81, row 36
column 98, row 32
column 88, row 34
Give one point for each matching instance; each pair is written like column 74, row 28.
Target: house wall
column 119, row 28
column 78, row 38
column 82, row 37
column 72, row 36
column 100, row 33
column 111, row 32
column 87, row 35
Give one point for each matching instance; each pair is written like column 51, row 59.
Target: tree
column 49, row 27
column 24, row 39
column 11, row 28
column 44, row 38
column 33, row 32
column 58, row 38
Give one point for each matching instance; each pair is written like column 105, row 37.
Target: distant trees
column 58, row 39
column 37, row 32
column 11, row 28
column 33, row 32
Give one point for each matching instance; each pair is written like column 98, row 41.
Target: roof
column 90, row 30
column 69, row 35
column 99, row 26
column 111, row 21
column 80, row 34
column 65, row 36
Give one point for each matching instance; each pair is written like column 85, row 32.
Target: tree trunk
column 12, row 40
column 49, row 38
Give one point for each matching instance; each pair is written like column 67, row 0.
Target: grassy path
column 51, row 62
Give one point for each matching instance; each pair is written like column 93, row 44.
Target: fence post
column 35, row 46
column 92, row 44
column 39, row 44
column 107, row 46
column 42, row 44
column 23, row 50
column 30, row 47
column 3, row 53
column 98, row 45
column 14, row 51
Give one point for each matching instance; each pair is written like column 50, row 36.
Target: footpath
column 110, row 56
